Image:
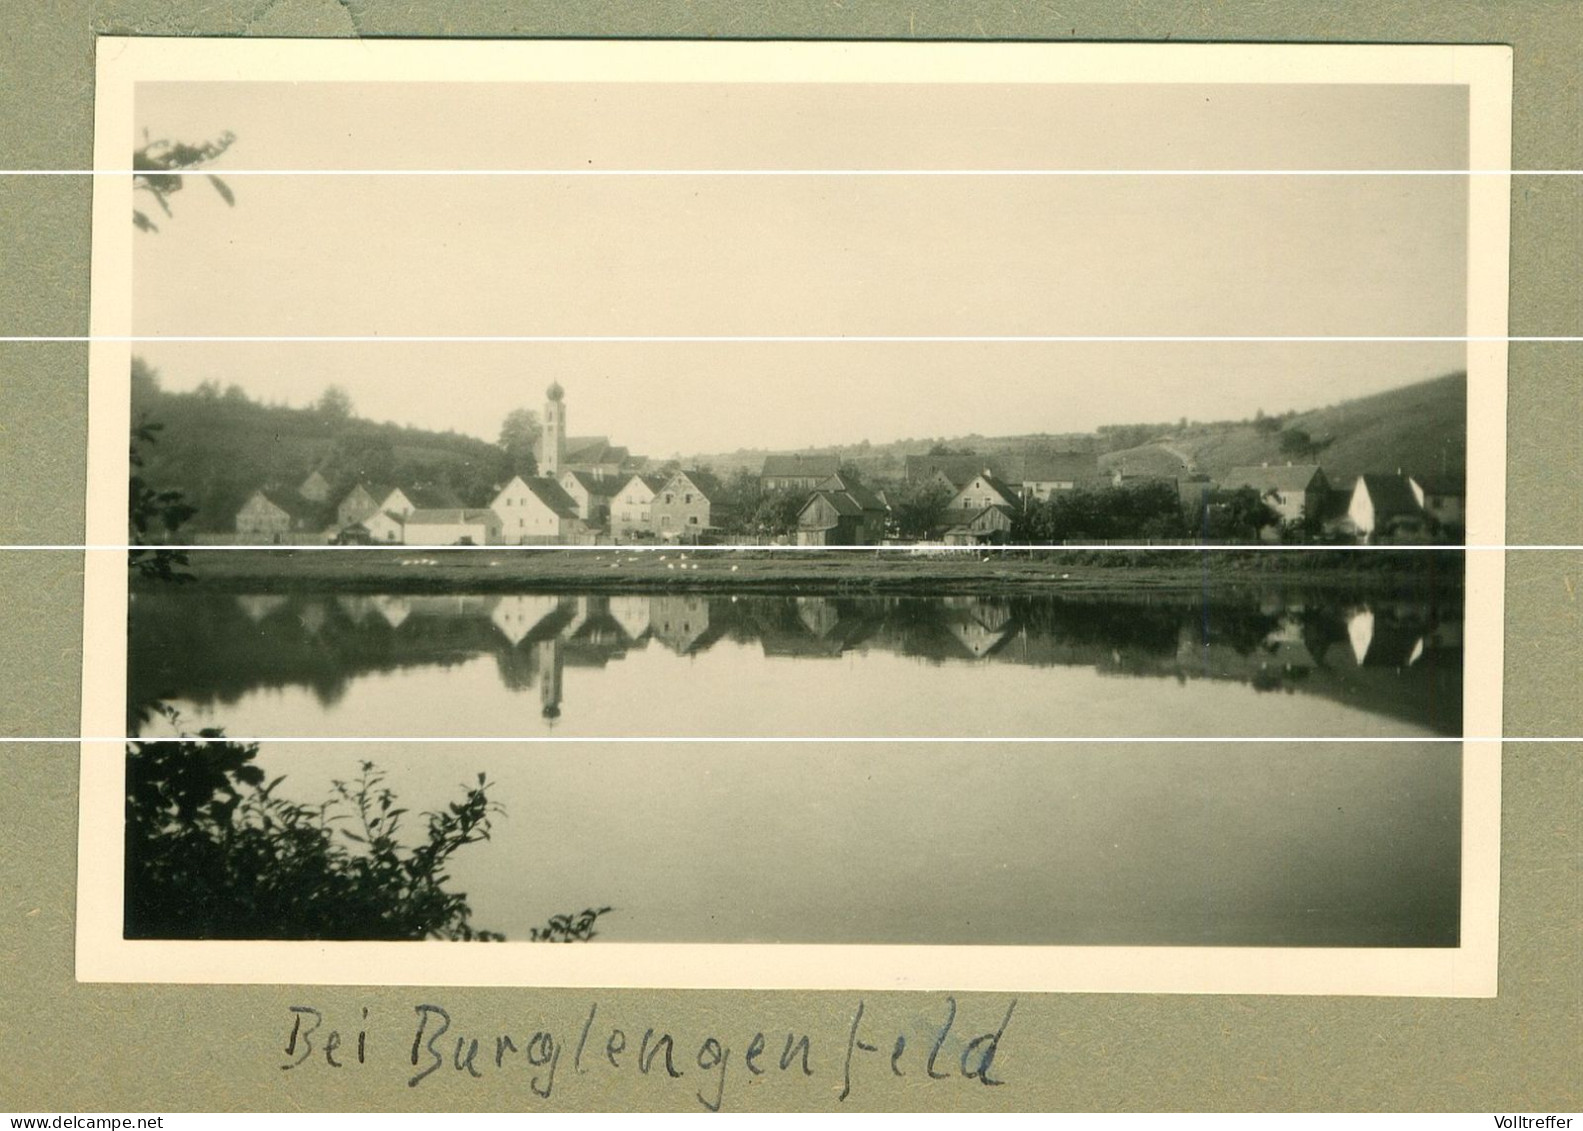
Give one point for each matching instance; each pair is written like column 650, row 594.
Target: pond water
column 1256, row 664
column 1186, row 843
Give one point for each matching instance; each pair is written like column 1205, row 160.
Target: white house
column 535, row 512
column 632, row 507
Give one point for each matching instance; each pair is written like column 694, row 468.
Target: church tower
column 552, row 445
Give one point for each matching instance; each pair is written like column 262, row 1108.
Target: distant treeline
column 217, row 446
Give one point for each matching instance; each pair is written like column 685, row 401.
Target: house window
column 687, row 498
column 692, row 519
column 669, row 498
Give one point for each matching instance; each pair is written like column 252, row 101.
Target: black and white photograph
column 796, row 515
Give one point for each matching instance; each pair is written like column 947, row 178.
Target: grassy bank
column 981, row 571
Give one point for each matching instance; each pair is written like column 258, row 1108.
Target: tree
column 212, row 852
column 153, row 514
column 921, row 508
column 777, row 512
column 1297, row 443
column 519, row 440
column 157, row 167
column 335, row 403
column 1239, row 515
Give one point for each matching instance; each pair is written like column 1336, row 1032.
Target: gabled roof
column 594, row 484
column 1055, row 467
column 703, row 482
column 800, row 465
column 594, row 449
column 995, row 483
column 997, row 508
column 653, row 482
column 379, row 492
column 303, row 512
column 860, row 494
column 841, row 502
column 958, row 469
column 1391, row 494
column 1281, row 477
column 552, row 495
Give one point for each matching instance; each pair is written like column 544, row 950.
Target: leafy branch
column 157, row 169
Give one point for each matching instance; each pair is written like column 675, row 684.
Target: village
column 589, row 492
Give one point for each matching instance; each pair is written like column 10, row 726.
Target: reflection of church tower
column 552, row 664
column 552, row 447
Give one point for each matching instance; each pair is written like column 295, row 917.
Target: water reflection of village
column 1401, row 659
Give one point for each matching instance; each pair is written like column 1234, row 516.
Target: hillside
column 218, row 448
column 1421, row 429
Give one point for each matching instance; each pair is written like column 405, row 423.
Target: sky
column 826, row 255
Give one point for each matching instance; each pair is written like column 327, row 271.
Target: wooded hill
column 1420, row 428
column 218, row 447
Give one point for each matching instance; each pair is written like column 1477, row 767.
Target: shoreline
column 835, row 572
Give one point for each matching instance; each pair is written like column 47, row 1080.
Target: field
column 504, row 569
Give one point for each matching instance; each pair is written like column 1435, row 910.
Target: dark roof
column 865, row 498
column 552, row 495
column 1281, row 477
column 652, row 482
column 594, row 449
column 841, row 501
column 996, row 508
column 594, row 484
column 958, row 469
column 1054, row 467
column 379, row 492
column 1000, row 486
column 1391, row 494
column 1442, row 485
column 705, row 483
column 800, row 465
column 303, row 512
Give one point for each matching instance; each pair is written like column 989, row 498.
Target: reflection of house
column 631, row 509
column 271, row 516
column 1293, row 491
column 679, row 622
column 797, row 472
column 688, row 506
column 535, row 512
column 1385, row 507
column 979, row 626
column 518, row 615
column 841, row 513
column 475, row 526
column 631, row 614
column 1382, row 642
column 257, row 606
